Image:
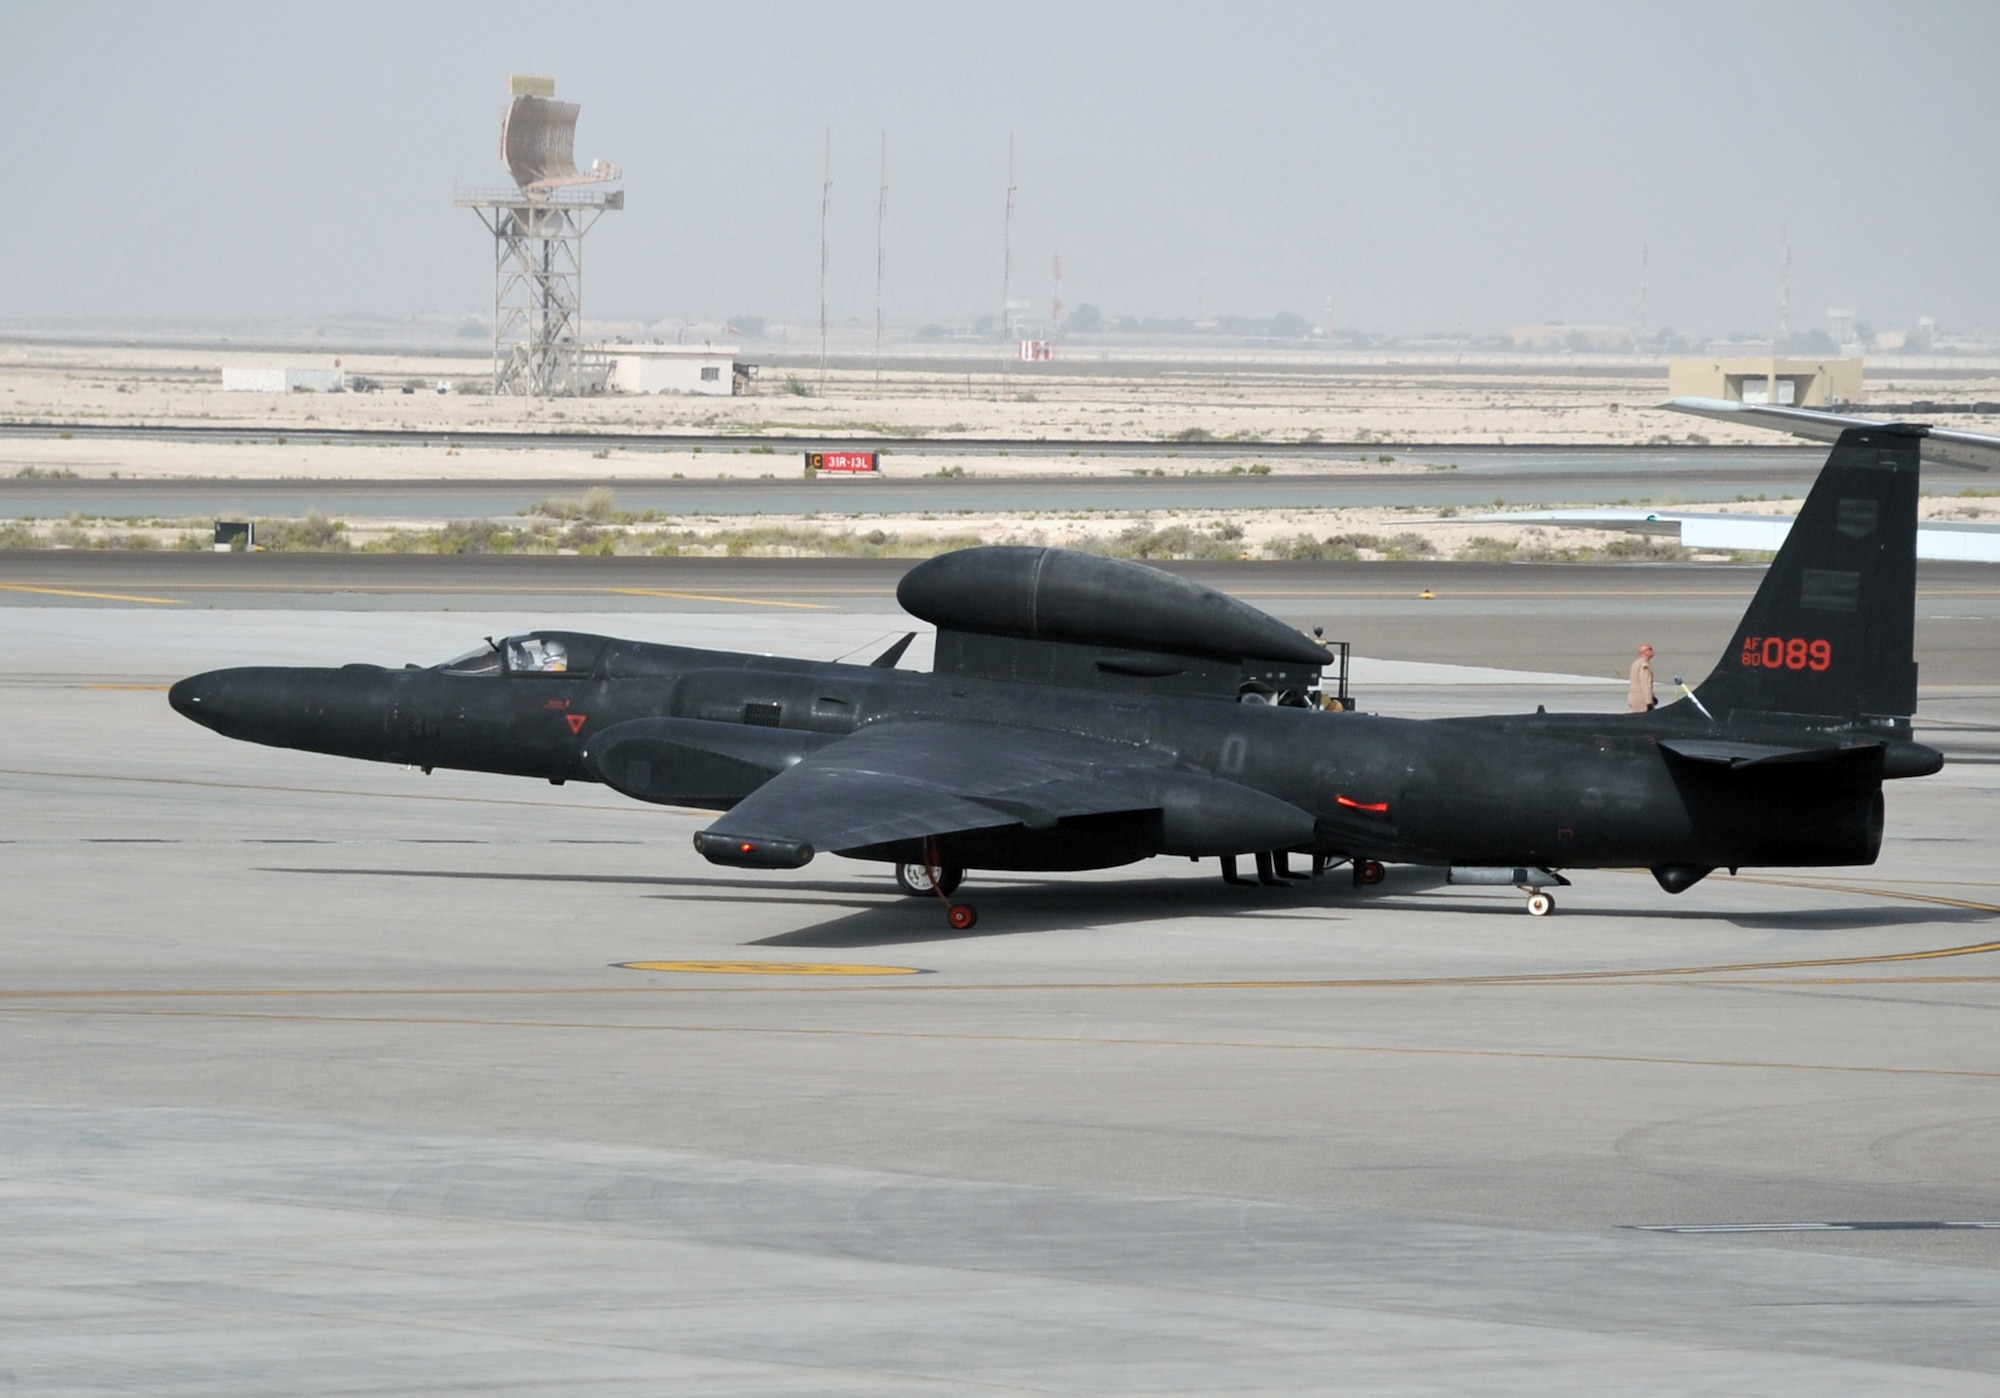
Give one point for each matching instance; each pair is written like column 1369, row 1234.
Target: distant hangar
column 1764, row 379
column 679, row 369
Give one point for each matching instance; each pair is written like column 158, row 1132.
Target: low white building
column 283, row 381
column 678, row 369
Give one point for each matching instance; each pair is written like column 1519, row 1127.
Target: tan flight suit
column 1639, row 686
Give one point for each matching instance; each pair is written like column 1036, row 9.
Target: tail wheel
column 917, row 879
column 1369, row 872
column 962, row 916
column 1540, row 904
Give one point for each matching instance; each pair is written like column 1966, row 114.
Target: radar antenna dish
column 538, row 146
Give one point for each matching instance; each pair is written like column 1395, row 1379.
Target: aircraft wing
column 1977, row 451
column 913, row 780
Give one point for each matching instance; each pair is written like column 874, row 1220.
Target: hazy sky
column 1427, row 167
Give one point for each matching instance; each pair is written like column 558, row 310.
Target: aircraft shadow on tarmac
column 1019, row 909
column 874, row 916
column 754, row 890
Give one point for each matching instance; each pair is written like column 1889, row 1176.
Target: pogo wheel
column 1540, row 904
column 962, row 916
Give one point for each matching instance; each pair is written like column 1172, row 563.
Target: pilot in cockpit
column 533, row 655
column 523, row 655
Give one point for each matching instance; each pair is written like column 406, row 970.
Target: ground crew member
column 1639, row 685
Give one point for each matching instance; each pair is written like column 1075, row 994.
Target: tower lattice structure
column 538, row 229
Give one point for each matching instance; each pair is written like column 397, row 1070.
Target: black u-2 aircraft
column 1084, row 712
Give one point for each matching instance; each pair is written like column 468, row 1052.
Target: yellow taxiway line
column 767, row 968
column 95, row 596
column 1632, row 975
column 710, row 597
column 1678, row 975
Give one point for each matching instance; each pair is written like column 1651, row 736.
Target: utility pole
column 1007, row 261
column 1055, row 306
column 1645, row 275
column 825, row 207
column 881, row 219
column 1784, row 291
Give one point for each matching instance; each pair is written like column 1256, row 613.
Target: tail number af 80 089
column 1786, row 653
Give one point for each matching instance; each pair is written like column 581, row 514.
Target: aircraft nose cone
column 189, row 696
column 224, row 700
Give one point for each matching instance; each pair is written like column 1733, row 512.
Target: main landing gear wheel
column 962, row 916
column 1540, row 904
column 916, row 879
column 1368, row 872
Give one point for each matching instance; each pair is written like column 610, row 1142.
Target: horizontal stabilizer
column 1944, row 446
column 1730, row 753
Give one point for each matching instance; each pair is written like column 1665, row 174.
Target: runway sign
column 844, row 463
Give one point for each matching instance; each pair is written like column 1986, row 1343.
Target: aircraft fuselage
column 1556, row 790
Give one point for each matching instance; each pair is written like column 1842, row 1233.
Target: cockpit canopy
column 535, row 653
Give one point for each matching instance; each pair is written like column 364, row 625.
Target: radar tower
column 538, row 229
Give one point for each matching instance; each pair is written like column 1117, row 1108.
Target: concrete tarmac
column 326, row 1077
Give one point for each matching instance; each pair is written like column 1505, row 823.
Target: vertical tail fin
column 1831, row 632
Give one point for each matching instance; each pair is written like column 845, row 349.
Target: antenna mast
column 825, row 206
column 1007, row 257
column 1784, row 291
column 1055, row 305
column 881, row 218
column 1645, row 276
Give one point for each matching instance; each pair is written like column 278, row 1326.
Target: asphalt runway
column 321, row 1077
column 1480, row 477
column 793, row 446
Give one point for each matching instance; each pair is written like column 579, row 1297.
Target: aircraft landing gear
column 1368, row 873
column 1274, row 870
column 935, row 876
column 1530, row 879
column 922, row 880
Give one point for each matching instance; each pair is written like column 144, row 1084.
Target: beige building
column 678, row 369
column 1802, row 383
column 283, row 381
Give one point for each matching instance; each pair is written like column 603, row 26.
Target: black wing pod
column 1053, row 616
